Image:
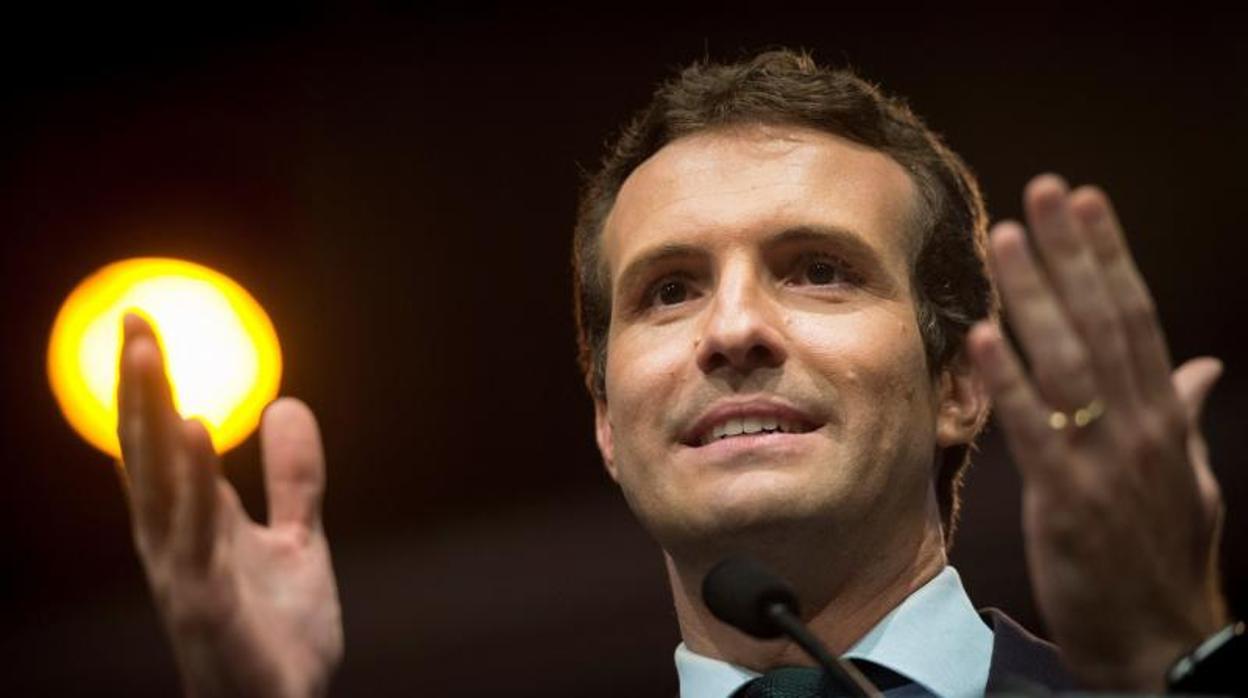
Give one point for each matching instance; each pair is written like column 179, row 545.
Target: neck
column 842, row 596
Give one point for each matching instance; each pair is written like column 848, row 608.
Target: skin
column 252, row 610
column 1120, row 517
column 847, row 512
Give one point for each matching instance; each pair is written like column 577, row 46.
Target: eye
column 668, row 291
column 821, row 270
column 671, row 292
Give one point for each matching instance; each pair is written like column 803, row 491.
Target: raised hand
column 251, row 609
column 1121, row 511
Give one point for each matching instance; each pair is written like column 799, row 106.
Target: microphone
column 743, row 594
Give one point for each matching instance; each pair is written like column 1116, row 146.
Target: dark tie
column 804, row 682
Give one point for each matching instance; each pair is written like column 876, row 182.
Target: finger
column 146, row 428
column 194, row 519
column 1145, row 339
column 1059, row 359
column 1206, row 482
column 1076, row 275
column 1020, row 411
column 294, row 464
column 1193, row 381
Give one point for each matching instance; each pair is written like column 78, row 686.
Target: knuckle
column 1103, row 327
column 1161, row 428
column 1065, row 360
column 1116, row 353
column 1148, row 439
column 1105, row 332
column 1152, row 436
column 1174, row 423
column 1072, row 360
column 1049, row 379
column 1139, row 311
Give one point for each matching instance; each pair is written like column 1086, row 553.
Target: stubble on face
column 848, row 356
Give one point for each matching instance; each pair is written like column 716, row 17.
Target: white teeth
column 749, row 425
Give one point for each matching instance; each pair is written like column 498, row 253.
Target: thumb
column 1193, row 381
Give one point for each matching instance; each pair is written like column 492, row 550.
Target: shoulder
column 1020, row 660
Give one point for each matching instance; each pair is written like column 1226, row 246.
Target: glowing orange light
column 221, row 352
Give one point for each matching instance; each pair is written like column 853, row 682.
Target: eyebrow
column 657, row 256
column 851, row 243
column 855, row 248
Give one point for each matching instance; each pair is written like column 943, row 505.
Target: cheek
column 643, row 372
column 867, row 360
column 885, row 342
column 899, row 361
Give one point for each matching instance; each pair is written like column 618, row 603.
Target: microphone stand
column 742, row 593
column 839, row 670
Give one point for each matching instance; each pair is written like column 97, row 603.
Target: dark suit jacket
column 1022, row 662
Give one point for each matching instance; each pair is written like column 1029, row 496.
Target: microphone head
column 739, row 591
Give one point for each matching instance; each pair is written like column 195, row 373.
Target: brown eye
column 672, row 292
column 821, row 272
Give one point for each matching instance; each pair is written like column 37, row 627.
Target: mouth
column 751, row 419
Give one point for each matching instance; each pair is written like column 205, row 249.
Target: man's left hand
column 1121, row 512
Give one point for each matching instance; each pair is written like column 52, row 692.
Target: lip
column 738, row 409
column 752, row 449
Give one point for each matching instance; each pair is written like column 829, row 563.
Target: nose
column 741, row 330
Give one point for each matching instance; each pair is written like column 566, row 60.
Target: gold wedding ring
column 1080, row 418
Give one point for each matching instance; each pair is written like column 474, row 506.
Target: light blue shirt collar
column 934, row 637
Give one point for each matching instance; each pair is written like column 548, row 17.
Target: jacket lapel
column 1022, row 662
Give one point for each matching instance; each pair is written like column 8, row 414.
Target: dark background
column 397, row 187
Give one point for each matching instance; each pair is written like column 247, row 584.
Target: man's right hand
column 251, row 609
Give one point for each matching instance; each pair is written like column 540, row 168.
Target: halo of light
column 221, row 352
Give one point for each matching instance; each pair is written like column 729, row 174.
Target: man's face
column 764, row 363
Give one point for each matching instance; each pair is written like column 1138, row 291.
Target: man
column 788, row 333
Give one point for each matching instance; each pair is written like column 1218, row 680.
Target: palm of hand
column 264, row 612
column 251, row 609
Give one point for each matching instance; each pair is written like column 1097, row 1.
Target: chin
column 726, row 517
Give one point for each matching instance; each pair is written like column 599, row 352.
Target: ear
column 964, row 403
column 606, row 441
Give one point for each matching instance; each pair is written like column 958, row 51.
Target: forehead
column 720, row 185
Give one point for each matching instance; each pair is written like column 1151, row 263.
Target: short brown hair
column 950, row 280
